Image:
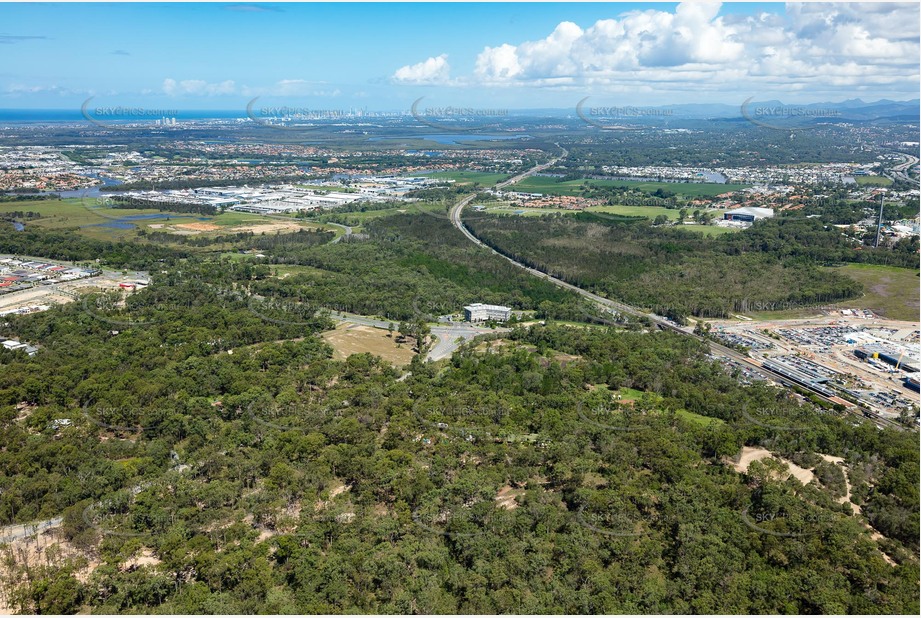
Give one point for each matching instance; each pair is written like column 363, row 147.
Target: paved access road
column 347, row 231
column 22, row 531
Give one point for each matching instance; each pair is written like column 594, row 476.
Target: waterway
column 449, row 138
column 92, row 191
column 714, row 177
column 89, row 192
column 124, row 223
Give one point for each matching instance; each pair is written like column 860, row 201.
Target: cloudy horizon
column 516, row 56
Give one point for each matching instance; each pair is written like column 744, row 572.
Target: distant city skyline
column 516, row 56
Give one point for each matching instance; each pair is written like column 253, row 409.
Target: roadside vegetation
column 775, row 263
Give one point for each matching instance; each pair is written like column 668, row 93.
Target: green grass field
column 650, row 212
column 888, row 291
column 90, row 218
column 356, row 219
column 697, row 419
column 75, row 213
column 70, row 212
column 629, row 393
column 499, row 208
column 875, row 181
column 361, row 217
column 549, row 185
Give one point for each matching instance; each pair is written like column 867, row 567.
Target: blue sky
column 516, row 55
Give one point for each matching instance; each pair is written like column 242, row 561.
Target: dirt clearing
column 756, row 453
column 45, row 548
column 198, row 227
column 505, row 499
column 348, row 339
column 267, row 228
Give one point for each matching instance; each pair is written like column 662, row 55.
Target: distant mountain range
column 851, row 110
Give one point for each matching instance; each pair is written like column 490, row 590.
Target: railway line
column 716, row 349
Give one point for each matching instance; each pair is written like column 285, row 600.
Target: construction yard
column 829, row 348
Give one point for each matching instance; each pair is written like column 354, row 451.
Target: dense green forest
column 276, row 480
column 67, row 245
column 565, row 469
column 678, row 273
column 411, row 265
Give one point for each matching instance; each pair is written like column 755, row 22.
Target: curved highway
column 900, row 171
column 715, row 348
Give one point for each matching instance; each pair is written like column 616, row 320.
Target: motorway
column 900, row 171
column 605, row 303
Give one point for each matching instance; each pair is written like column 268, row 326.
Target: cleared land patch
column 756, row 453
column 268, row 228
column 889, row 291
column 198, row 227
column 347, row 339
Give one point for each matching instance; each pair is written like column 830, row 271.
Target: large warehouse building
column 478, row 312
column 899, row 361
column 748, row 213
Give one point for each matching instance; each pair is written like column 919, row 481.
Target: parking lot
column 824, row 348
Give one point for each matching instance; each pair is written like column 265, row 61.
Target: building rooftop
column 485, row 306
column 752, row 210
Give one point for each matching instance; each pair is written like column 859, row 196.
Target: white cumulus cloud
column 830, row 47
column 197, row 87
column 435, row 70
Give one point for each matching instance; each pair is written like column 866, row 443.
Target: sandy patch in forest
column 43, row 548
column 505, row 499
column 757, row 453
column 144, row 558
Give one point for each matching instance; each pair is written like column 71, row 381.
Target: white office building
column 478, row 312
